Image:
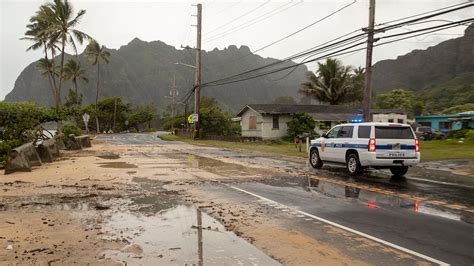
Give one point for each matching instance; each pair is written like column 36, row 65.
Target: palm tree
column 62, row 30
column 96, row 53
column 46, row 67
column 38, row 34
column 355, row 93
column 331, row 82
column 73, row 71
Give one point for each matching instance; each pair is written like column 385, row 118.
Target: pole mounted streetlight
column 183, row 64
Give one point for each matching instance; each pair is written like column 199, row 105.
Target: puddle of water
column 110, row 156
column 173, row 237
column 154, row 203
column 117, row 165
column 375, row 199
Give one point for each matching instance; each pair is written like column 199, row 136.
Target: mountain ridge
column 142, row 73
column 420, row 69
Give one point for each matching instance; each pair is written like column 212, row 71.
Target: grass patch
column 449, row 149
column 433, row 150
column 273, row 147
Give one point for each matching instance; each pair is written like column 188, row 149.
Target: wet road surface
column 429, row 232
column 443, row 239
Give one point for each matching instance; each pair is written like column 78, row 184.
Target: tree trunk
column 74, row 83
column 53, row 89
column 61, row 72
column 54, row 78
column 97, row 97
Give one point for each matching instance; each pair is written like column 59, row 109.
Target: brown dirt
column 28, row 200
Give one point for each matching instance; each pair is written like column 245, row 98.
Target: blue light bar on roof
column 357, row 120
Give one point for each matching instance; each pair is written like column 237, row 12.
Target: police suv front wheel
column 353, row 164
column 314, row 159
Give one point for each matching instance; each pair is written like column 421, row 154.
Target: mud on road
column 155, row 203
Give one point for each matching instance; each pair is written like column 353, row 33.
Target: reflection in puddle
column 174, row 236
column 376, row 199
column 117, row 165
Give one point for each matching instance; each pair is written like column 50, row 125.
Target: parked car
column 362, row 145
column 427, row 133
column 422, row 131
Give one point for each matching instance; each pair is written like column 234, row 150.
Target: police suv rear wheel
column 399, row 171
column 314, row 159
column 353, row 165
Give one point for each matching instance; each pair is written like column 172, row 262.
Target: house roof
column 460, row 115
column 338, row 112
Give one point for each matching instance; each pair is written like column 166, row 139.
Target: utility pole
column 368, row 64
column 197, row 83
column 173, row 94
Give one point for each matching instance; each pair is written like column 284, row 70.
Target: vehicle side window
column 364, row 132
column 333, row 133
column 345, row 132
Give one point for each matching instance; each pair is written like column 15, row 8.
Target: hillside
column 421, row 69
column 142, row 72
column 457, row 91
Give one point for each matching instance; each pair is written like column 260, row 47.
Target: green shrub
column 132, row 130
column 71, row 129
column 150, row 129
column 457, row 134
column 469, row 135
column 300, row 123
column 16, row 118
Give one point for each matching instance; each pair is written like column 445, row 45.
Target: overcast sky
column 115, row 23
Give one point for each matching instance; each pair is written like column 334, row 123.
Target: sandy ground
column 55, row 214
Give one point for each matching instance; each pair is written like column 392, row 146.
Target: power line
column 424, row 13
column 390, row 27
column 254, row 21
column 227, row 8
column 305, row 27
column 429, row 28
column 416, row 35
column 411, row 22
column 340, row 52
column 239, row 17
column 229, row 80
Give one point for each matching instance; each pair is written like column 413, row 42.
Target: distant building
column 269, row 121
column 446, row 123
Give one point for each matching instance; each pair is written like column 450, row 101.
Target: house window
column 400, row 121
column 276, row 121
column 390, row 120
column 252, row 122
column 425, row 124
column 445, row 125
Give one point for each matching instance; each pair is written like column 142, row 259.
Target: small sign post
column 85, row 118
column 193, row 118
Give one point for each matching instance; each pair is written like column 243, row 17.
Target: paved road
column 439, row 238
column 430, row 234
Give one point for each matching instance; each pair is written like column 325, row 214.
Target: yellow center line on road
column 394, row 193
column 381, row 241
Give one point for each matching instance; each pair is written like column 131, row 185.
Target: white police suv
column 362, row 145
